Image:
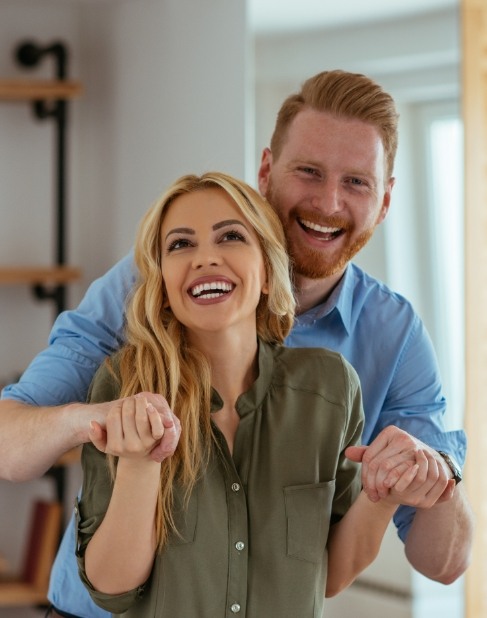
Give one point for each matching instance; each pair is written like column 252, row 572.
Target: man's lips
column 322, row 232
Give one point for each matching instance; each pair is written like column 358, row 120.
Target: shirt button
column 235, row 487
column 239, row 545
column 235, row 608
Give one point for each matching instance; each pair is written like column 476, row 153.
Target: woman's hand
column 136, row 427
column 399, row 467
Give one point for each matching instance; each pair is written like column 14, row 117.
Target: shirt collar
column 251, row 399
column 340, row 301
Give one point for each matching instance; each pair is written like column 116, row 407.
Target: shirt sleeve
column 80, row 339
column 415, row 403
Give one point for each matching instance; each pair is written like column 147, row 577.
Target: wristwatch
column 453, row 465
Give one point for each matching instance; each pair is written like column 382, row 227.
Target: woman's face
column 212, row 263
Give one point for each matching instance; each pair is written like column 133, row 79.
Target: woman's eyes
column 232, row 235
column 184, row 243
column 178, row 243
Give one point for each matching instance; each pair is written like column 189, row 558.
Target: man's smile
column 320, row 231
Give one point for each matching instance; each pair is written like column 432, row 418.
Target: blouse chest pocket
column 308, row 512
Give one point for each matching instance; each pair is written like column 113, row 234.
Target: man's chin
column 313, row 265
column 318, row 272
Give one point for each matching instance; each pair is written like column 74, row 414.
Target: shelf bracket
column 29, row 54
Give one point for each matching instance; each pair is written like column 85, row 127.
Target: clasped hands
column 142, row 425
column 396, row 466
column 400, row 468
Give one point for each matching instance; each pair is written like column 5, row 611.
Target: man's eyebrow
column 180, row 230
column 221, row 224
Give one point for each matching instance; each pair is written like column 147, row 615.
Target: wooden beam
column 474, row 88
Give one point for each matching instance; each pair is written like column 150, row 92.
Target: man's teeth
column 211, row 290
column 320, row 228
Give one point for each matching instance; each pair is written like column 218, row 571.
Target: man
column 328, row 174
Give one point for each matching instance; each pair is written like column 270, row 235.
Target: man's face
column 329, row 189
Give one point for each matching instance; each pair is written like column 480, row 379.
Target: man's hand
column 138, row 426
column 390, row 456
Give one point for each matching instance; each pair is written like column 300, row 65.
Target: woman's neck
column 233, row 361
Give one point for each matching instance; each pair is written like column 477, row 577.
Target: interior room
column 165, row 87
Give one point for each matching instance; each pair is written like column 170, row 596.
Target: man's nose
column 327, row 198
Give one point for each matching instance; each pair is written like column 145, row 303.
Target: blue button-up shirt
column 374, row 328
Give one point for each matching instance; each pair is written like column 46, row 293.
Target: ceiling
column 272, row 16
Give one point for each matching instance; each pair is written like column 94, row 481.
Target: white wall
column 164, row 94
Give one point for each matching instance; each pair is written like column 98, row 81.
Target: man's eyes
column 311, row 171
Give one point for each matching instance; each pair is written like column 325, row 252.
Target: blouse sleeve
column 95, row 498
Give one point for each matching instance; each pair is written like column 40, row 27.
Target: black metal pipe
column 29, row 54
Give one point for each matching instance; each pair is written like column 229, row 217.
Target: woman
column 255, row 509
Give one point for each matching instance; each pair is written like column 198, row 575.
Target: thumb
column 98, row 436
column 355, row 453
column 448, row 493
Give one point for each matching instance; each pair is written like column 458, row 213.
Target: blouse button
column 239, row 545
column 235, row 487
column 235, row 608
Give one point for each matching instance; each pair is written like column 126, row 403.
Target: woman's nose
column 206, row 256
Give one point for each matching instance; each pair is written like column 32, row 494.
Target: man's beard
column 310, row 262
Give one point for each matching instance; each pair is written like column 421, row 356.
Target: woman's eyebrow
column 221, row 224
column 180, row 230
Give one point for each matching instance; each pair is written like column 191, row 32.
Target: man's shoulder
column 368, row 292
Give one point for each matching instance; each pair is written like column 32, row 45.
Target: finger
column 155, row 422
column 389, row 436
column 449, row 491
column 97, row 436
column 129, row 427
column 396, row 473
column 172, row 431
column 376, row 471
column 142, row 420
column 114, row 428
column 355, row 453
column 406, row 478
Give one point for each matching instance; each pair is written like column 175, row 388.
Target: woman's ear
column 265, row 288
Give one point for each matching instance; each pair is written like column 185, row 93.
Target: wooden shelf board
column 32, row 90
column 38, row 275
column 70, row 457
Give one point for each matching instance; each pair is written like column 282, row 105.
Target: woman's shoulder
column 320, row 369
column 106, row 384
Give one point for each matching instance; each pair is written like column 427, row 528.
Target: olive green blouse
column 253, row 538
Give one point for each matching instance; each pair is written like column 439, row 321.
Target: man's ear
column 264, row 171
column 386, row 201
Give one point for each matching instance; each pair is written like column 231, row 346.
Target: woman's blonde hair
column 157, row 357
